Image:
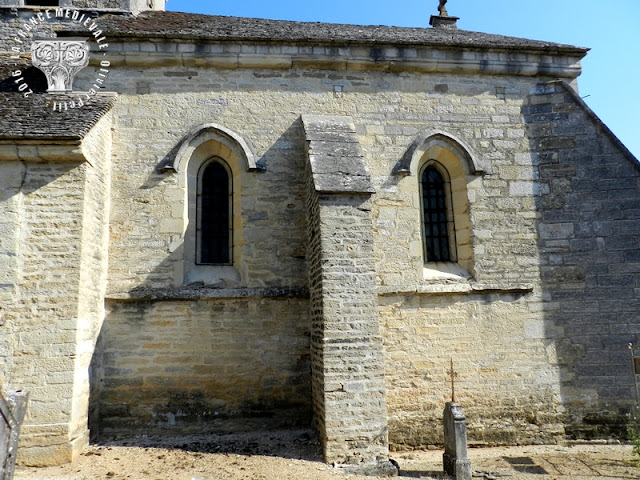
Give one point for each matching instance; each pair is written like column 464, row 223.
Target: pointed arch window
column 214, row 219
column 437, row 214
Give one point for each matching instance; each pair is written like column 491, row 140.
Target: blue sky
column 611, row 70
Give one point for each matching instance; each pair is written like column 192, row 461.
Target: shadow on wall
column 210, row 359
column 588, row 198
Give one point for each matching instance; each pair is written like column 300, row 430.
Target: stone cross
column 442, row 9
column 453, row 375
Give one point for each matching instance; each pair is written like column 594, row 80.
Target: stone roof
column 335, row 156
column 33, row 118
column 159, row 24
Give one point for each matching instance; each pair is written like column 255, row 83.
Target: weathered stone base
column 455, row 460
column 599, row 425
column 461, row 469
column 47, row 445
column 378, row 469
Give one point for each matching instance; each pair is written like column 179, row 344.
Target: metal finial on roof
column 442, row 9
column 443, row 20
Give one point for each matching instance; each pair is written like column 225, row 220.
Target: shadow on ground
column 299, row 444
column 423, row 474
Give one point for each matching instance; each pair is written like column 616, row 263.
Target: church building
column 214, row 224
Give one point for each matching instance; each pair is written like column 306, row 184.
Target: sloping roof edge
column 607, row 131
column 32, row 120
column 190, row 26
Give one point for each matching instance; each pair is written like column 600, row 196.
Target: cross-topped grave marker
column 453, row 374
column 455, row 460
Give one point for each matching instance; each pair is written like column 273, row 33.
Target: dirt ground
column 295, row 455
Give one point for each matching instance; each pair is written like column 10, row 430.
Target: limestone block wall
column 588, row 233
column 507, row 381
column 199, row 366
column 12, row 175
column 555, row 216
column 147, row 249
column 45, row 317
column 94, row 259
column 349, row 397
column 158, row 106
column 346, row 348
column 11, row 23
column 490, row 324
column 54, row 307
column 502, row 303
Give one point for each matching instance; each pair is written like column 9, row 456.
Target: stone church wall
column 240, row 353
column 57, row 278
column 199, row 366
column 497, row 330
column 11, row 175
column 506, row 383
column 550, row 236
column 589, row 244
column 492, row 326
column 499, row 339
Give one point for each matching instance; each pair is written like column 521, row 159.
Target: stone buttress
column 346, row 348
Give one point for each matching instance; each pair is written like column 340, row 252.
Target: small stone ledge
column 204, row 293
column 70, row 152
column 462, row 288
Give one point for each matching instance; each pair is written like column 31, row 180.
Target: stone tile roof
column 33, row 118
column 159, row 24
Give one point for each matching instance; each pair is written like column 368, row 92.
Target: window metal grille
column 438, row 224
column 214, row 232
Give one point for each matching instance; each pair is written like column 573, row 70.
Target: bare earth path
column 295, row 455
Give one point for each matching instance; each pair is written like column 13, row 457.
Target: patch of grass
column 633, row 433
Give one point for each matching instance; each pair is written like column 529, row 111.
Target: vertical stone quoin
column 346, row 347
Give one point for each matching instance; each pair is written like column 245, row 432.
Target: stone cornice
column 36, row 151
column 419, row 59
column 190, row 292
